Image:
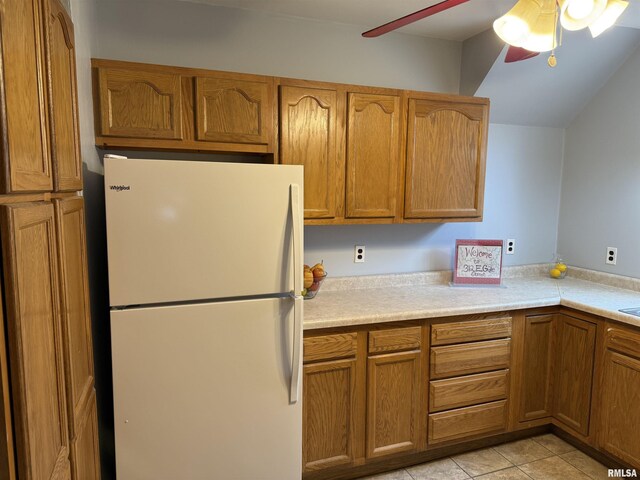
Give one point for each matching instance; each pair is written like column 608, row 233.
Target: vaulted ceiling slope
column 522, row 93
column 532, row 93
column 459, row 23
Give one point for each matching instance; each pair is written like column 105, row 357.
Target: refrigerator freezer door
column 202, row 392
column 180, row 231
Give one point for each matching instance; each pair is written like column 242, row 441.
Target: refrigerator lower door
column 203, row 392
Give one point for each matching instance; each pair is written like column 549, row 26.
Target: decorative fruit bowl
column 312, row 291
column 558, row 269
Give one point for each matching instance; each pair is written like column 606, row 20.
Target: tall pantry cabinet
column 48, row 423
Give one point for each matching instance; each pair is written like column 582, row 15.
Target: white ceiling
column 458, row 23
column 532, row 93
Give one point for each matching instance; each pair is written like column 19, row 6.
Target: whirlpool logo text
column 120, row 188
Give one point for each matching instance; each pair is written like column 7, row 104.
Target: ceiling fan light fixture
column 579, row 14
column 514, row 26
column 542, row 34
column 609, row 17
column 541, row 38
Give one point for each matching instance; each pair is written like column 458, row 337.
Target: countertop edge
column 432, row 313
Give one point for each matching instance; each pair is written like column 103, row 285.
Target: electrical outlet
column 612, row 256
column 358, row 254
column 511, row 246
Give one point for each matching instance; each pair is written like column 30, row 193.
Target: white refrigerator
column 205, row 267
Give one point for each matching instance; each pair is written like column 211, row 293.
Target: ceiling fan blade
column 412, row 17
column 515, row 54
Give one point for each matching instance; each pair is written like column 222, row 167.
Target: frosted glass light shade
column 542, row 36
column 579, row 14
column 608, row 18
column 514, row 26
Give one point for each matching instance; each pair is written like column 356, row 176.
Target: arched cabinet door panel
column 25, row 161
column 446, row 144
column 139, row 103
column 373, row 155
column 63, row 98
column 308, row 136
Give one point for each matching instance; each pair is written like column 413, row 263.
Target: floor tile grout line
column 577, row 467
column 496, row 471
column 525, row 473
column 494, row 449
column 460, row 466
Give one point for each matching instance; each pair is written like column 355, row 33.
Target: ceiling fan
column 531, row 26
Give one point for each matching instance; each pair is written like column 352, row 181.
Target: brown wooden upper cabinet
column 308, row 136
column 373, row 155
column 139, row 102
column 63, row 104
column 234, row 110
column 446, row 145
column 25, row 163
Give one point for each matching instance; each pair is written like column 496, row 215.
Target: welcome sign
column 478, row 262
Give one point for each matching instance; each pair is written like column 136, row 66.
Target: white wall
column 523, row 170
column 522, row 196
column 601, row 182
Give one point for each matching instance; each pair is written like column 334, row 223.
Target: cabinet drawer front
column 329, row 347
column 455, row 360
column 469, row 390
column 466, row 422
column 623, row 340
column 398, row 339
column 470, row 331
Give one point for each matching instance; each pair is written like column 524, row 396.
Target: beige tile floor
column 545, row 457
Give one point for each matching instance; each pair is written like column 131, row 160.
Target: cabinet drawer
column 329, row 347
column 466, row 422
column 455, row 360
column 470, row 331
column 398, row 339
column 468, row 390
column 623, row 340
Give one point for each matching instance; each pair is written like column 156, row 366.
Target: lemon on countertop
column 561, row 266
column 555, row 273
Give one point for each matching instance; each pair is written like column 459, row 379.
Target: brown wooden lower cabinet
column 536, row 368
column 561, row 368
column 467, row 422
column 85, row 456
column 393, row 394
column 620, row 395
column 76, row 338
column 29, row 251
column 328, row 414
column 575, row 351
column 468, row 390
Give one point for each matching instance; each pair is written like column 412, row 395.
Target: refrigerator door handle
column 297, row 290
column 297, row 350
column 297, row 237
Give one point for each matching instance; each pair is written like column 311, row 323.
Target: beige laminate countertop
column 341, row 305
